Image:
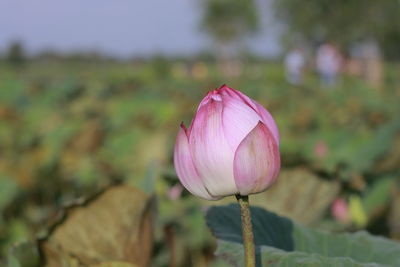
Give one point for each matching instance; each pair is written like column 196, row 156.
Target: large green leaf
column 225, row 224
column 280, row 241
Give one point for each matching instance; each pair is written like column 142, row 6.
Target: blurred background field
column 73, row 124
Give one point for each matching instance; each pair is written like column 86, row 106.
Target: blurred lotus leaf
column 390, row 160
column 89, row 138
column 298, row 194
column 114, row 226
column 357, row 211
column 394, row 216
column 153, row 148
column 114, row 264
column 8, row 190
column 377, row 196
column 24, row 255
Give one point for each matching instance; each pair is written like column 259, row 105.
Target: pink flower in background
column 340, row 210
column 231, row 147
column 175, row 192
column 320, row 149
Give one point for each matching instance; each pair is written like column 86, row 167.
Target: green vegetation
column 70, row 129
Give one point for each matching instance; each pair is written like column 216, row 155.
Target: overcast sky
column 120, row 27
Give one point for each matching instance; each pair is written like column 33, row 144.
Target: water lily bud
column 231, row 147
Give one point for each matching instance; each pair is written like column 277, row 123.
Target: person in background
column 328, row 64
column 294, row 65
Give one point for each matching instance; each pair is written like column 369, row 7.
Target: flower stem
column 247, row 231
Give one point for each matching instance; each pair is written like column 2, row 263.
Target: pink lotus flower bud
column 340, row 210
column 175, row 192
column 320, row 149
column 231, row 147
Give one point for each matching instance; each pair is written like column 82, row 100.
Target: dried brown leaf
column 115, row 226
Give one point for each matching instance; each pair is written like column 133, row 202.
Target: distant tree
column 16, row 54
column 344, row 21
column 229, row 22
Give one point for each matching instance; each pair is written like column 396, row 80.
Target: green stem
column 247, row 230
